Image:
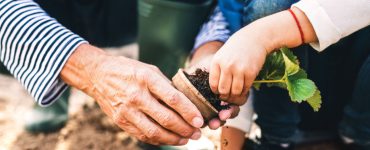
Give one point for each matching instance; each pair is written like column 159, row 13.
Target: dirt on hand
column 200, row 80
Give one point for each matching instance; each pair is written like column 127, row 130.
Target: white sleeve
column 244, row 120
column 333, row 20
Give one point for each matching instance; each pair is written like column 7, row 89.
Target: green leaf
column 315, row 101
column 274, row 67
column 301, row 74
column 290, row 55
column 300, row 89
column 291, row 67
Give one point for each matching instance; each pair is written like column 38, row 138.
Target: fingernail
column 198, row 122
column 183, row 141
column 196, row 135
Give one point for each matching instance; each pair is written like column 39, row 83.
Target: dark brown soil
column 200, row 80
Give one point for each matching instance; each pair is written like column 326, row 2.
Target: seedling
column 281, row 69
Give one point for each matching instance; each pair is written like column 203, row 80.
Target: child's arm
column 235, row 66
column 318, row 22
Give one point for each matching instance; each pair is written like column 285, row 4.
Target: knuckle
column 240, row 69
column 223, row 90
column 186, row 132
column 174, row 98
column 118, row 120
column 141, row 76
column 216, row 59
column 252, row 73
column 249, row 74
column 142, row 137
column 166, row 120
column 237, row 90
column 153, row 133
column 213, row 85
column 227, row 66
column 155, row 68
column 135, row 98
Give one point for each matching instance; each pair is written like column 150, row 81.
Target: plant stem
column 269, row 81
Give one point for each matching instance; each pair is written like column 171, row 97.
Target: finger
column 167, row 118
column 245, row 92
column 153, row 131
column 230, row 113
column 133, row 131
column 214, row 124
column 214, row 76
column 247, row 83
column 233, row 111
column 224, row 86
column 237, row 84
column 225, row 114
column 122, row 122
column 176, row 100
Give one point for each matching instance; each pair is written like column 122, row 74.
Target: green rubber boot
column 48, row 119
column 167, row 30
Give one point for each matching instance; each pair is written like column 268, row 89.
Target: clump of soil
column 200, row 80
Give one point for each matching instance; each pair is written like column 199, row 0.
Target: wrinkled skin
column 136, row 96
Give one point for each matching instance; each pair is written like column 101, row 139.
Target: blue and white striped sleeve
column 215, row 29
column 34, row 48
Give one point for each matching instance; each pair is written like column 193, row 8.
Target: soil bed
column 89, row 129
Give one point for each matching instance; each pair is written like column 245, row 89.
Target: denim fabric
column 233, row 12
column 356, row 121
column 255, row 9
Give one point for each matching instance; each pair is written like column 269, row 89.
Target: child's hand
column 202, row 58
column 236, row 65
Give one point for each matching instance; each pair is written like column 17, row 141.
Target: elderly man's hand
column 137, row 96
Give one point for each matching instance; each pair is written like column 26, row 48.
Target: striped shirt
column 34, row 47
